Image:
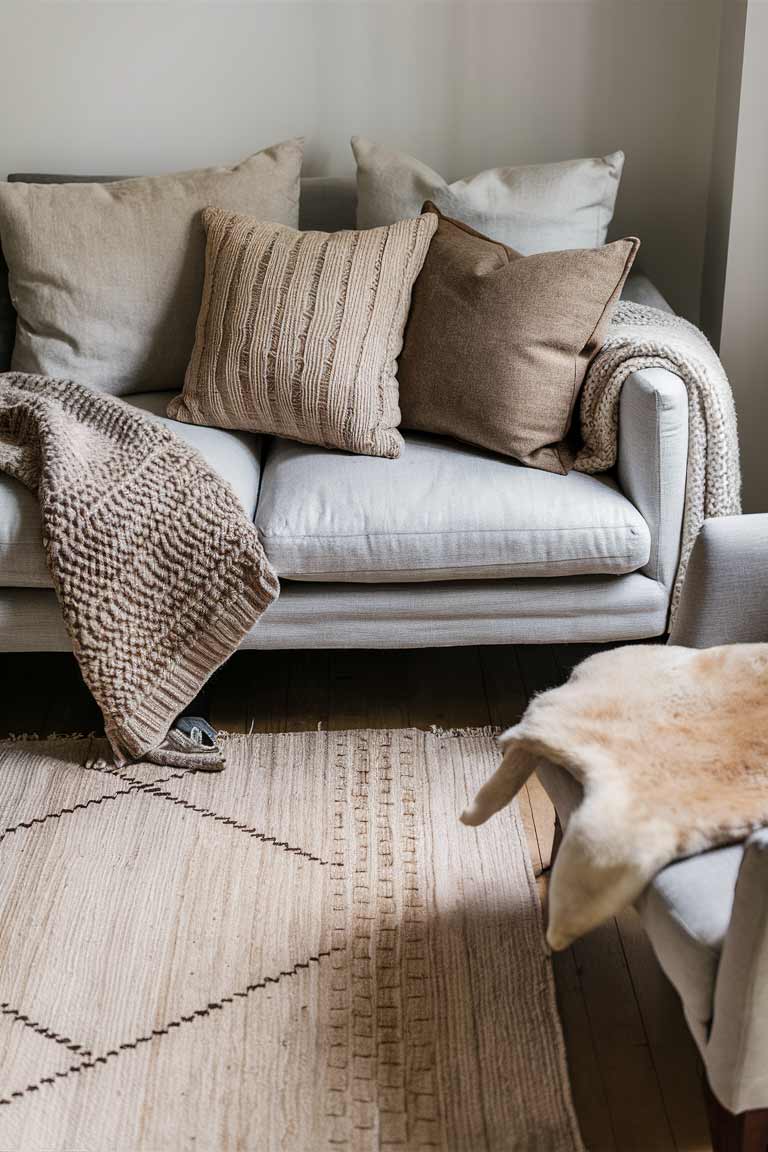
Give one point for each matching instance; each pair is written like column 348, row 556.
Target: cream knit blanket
column 642, row 337
column 158, row 570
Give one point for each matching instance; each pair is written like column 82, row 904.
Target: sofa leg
column 731, row 1132
column 557, row 840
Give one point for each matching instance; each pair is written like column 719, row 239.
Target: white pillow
column 534, row 208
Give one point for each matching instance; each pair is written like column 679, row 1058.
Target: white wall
column 732, row 33
column 151, row 86
column 744, row 314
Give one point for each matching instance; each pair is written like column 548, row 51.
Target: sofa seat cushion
column 442, row 511
column 236, row 456
column 686, row 912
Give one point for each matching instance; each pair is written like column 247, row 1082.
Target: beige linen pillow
column 299, row 332
column 498, row 344
column 106, row 279
column 535, row 208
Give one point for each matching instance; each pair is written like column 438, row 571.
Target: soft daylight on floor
column 635, row 1073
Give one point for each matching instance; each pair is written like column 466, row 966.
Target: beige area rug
column 306, row 952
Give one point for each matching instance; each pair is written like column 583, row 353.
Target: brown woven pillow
column 498, row 344
column 299, row 332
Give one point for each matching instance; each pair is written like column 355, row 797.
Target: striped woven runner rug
column 307, row 951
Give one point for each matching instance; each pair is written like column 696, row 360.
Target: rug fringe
column 483, row 730
column 31, row 737
column 487, row 730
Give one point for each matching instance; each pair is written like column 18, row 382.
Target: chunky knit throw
column 643, row 337
column 157, row 568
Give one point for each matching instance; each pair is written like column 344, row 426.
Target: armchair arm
column 737, row 1050
column 725, row 597
column 653, row 460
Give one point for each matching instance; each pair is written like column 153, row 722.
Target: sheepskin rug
column 670, row 746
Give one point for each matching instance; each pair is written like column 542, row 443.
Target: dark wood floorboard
column 634, row 1068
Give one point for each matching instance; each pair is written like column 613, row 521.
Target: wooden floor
column 634, row 1068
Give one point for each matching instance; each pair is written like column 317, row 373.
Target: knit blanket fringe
column 643, row 337
column 158, row 570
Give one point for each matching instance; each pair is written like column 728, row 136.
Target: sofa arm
column 725, row 597
column 639, row 290
column 653, row 460
column 736, row 1054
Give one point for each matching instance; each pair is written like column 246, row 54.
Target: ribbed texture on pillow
column 299, row 332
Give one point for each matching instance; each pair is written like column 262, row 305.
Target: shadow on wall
column 477, row 85
column 148, row 87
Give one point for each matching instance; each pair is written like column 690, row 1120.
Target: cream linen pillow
column 106, row 279
column 299, row 332
column 536, row 208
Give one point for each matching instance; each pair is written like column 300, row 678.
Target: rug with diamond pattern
column 306, row 951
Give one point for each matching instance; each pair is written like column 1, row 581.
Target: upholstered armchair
column 707, row 916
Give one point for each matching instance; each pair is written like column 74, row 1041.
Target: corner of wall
column 733, row 22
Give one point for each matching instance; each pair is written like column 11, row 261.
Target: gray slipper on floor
column 192, row 744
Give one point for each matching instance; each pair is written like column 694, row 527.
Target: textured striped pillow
column 299, row 332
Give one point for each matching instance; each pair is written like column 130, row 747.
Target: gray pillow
column 535, row 208
column 107, row 279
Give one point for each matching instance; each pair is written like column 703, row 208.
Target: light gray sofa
column 707, row 916
column 448, row 545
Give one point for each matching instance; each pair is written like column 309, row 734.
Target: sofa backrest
column 328, row 203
